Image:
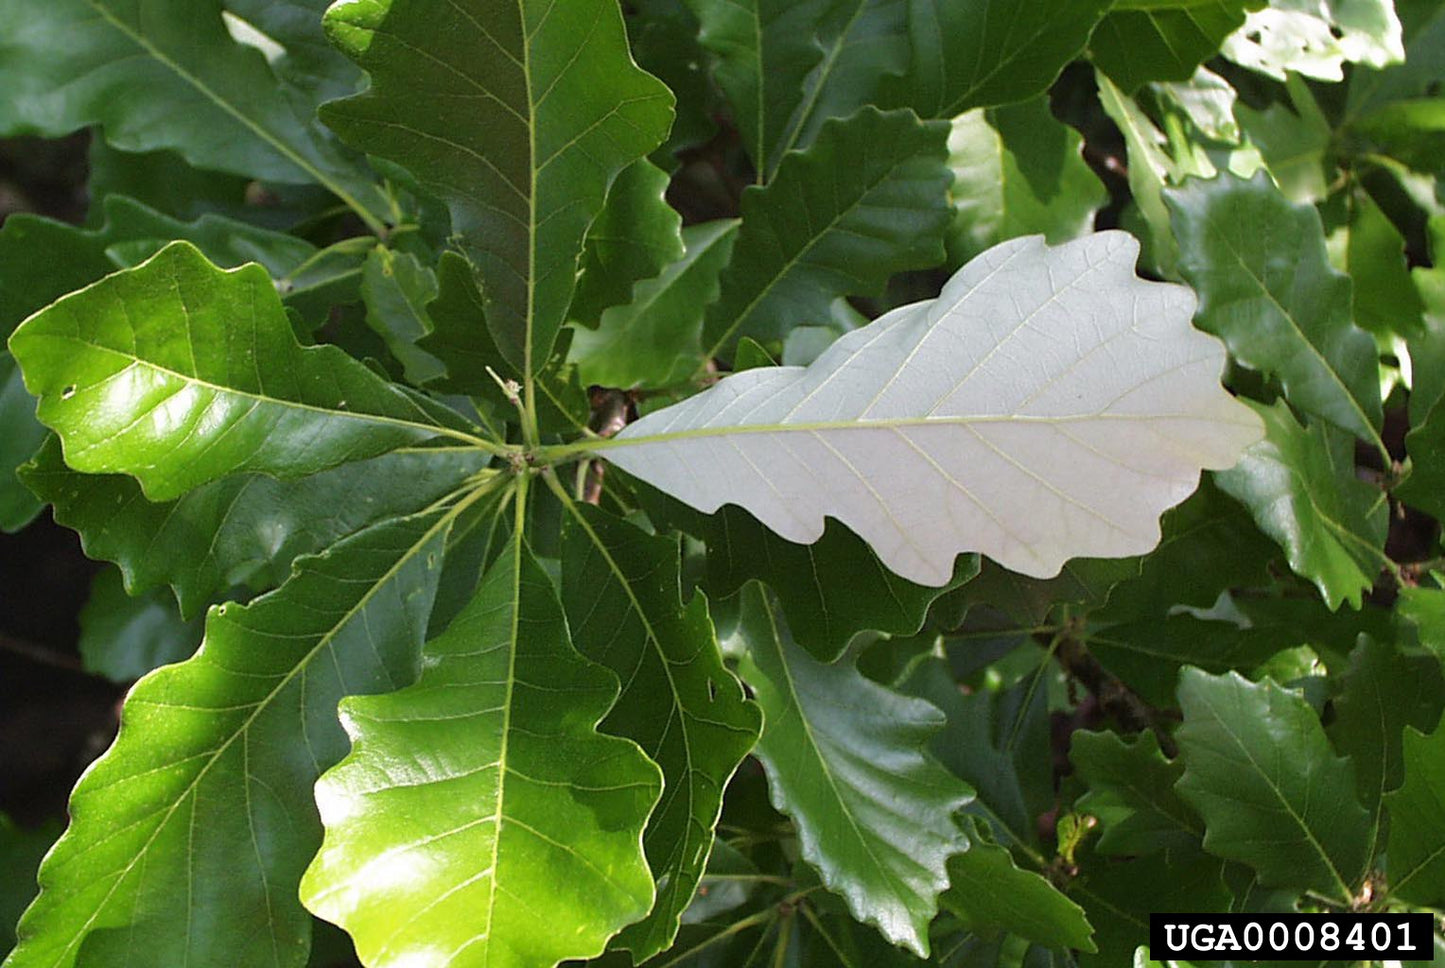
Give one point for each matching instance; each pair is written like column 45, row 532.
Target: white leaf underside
column 1048, row 404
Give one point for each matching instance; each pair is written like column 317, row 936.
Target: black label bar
column 1291, row 937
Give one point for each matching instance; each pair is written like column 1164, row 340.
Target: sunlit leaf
column 923, row 434
column 621, row 592
column 216, row 758
column 179, row 373
column 479, row 810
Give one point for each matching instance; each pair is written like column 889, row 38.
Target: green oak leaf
column 1210, row 545
column 1425, row 485
column 786, row 66
column 988, row 892
column 1267, row 289
column 1118, row 897
column 23, row 434
column 21, row 850
column 42, row 260
column 163, row 180
column 179, row 373
column 1382, row 693
column 396, row 288
column 1417, row 840
column 655, row 340
column 1271, row 791
column 997, row 743
column 1296, row 141
column 1299, row 484
column 124, row 637
column 1163, row 40
column 829, row 590
column 1018, row 170
column 868, row 199
column 664, row 39
column 973, row 55
column 462, row 343
column 1131, row 793
column 306, row 59
column 242, row 529
column 635, row 235
column 847, row 760
column 1207, row 100
column 1423, row 611
column 518, row 819
column 537, row 108
column 1087, row 582
column 1423, row 23
column 1148, row 654
column 168, row 74
column 622, row 595
column 1316, row 39
column 1151, row 170
column 188, row 838
column 1372, row 251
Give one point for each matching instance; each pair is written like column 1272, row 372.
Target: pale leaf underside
column 1049, row 404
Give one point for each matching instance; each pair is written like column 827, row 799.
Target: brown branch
column 40, row 654
column 1114, row 697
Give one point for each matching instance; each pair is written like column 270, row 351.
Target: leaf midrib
column 204, row 89
column 1243, row 747
column 261, row 706
column 260, row 399
column 775, row 641
column 893, row 423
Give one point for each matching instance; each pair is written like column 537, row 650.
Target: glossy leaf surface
column 216, row 759
column 243, row 529
column 519, row 816
column 1267, row 289
column 178, row 373
column 1273, row 794
column 923, row 436
column 845, row 759
column 623, row 600
column 543, row 108
column 1163, row 40
column 1299, row 484
column 968, row 55
column 169, row 75
column 868, row 199
column 1017, row 170
column 1417, row 843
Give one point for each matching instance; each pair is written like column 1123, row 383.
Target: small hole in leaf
column 711, row 690
column 1254, row 36
column 68, row 392
column 1336, row 32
